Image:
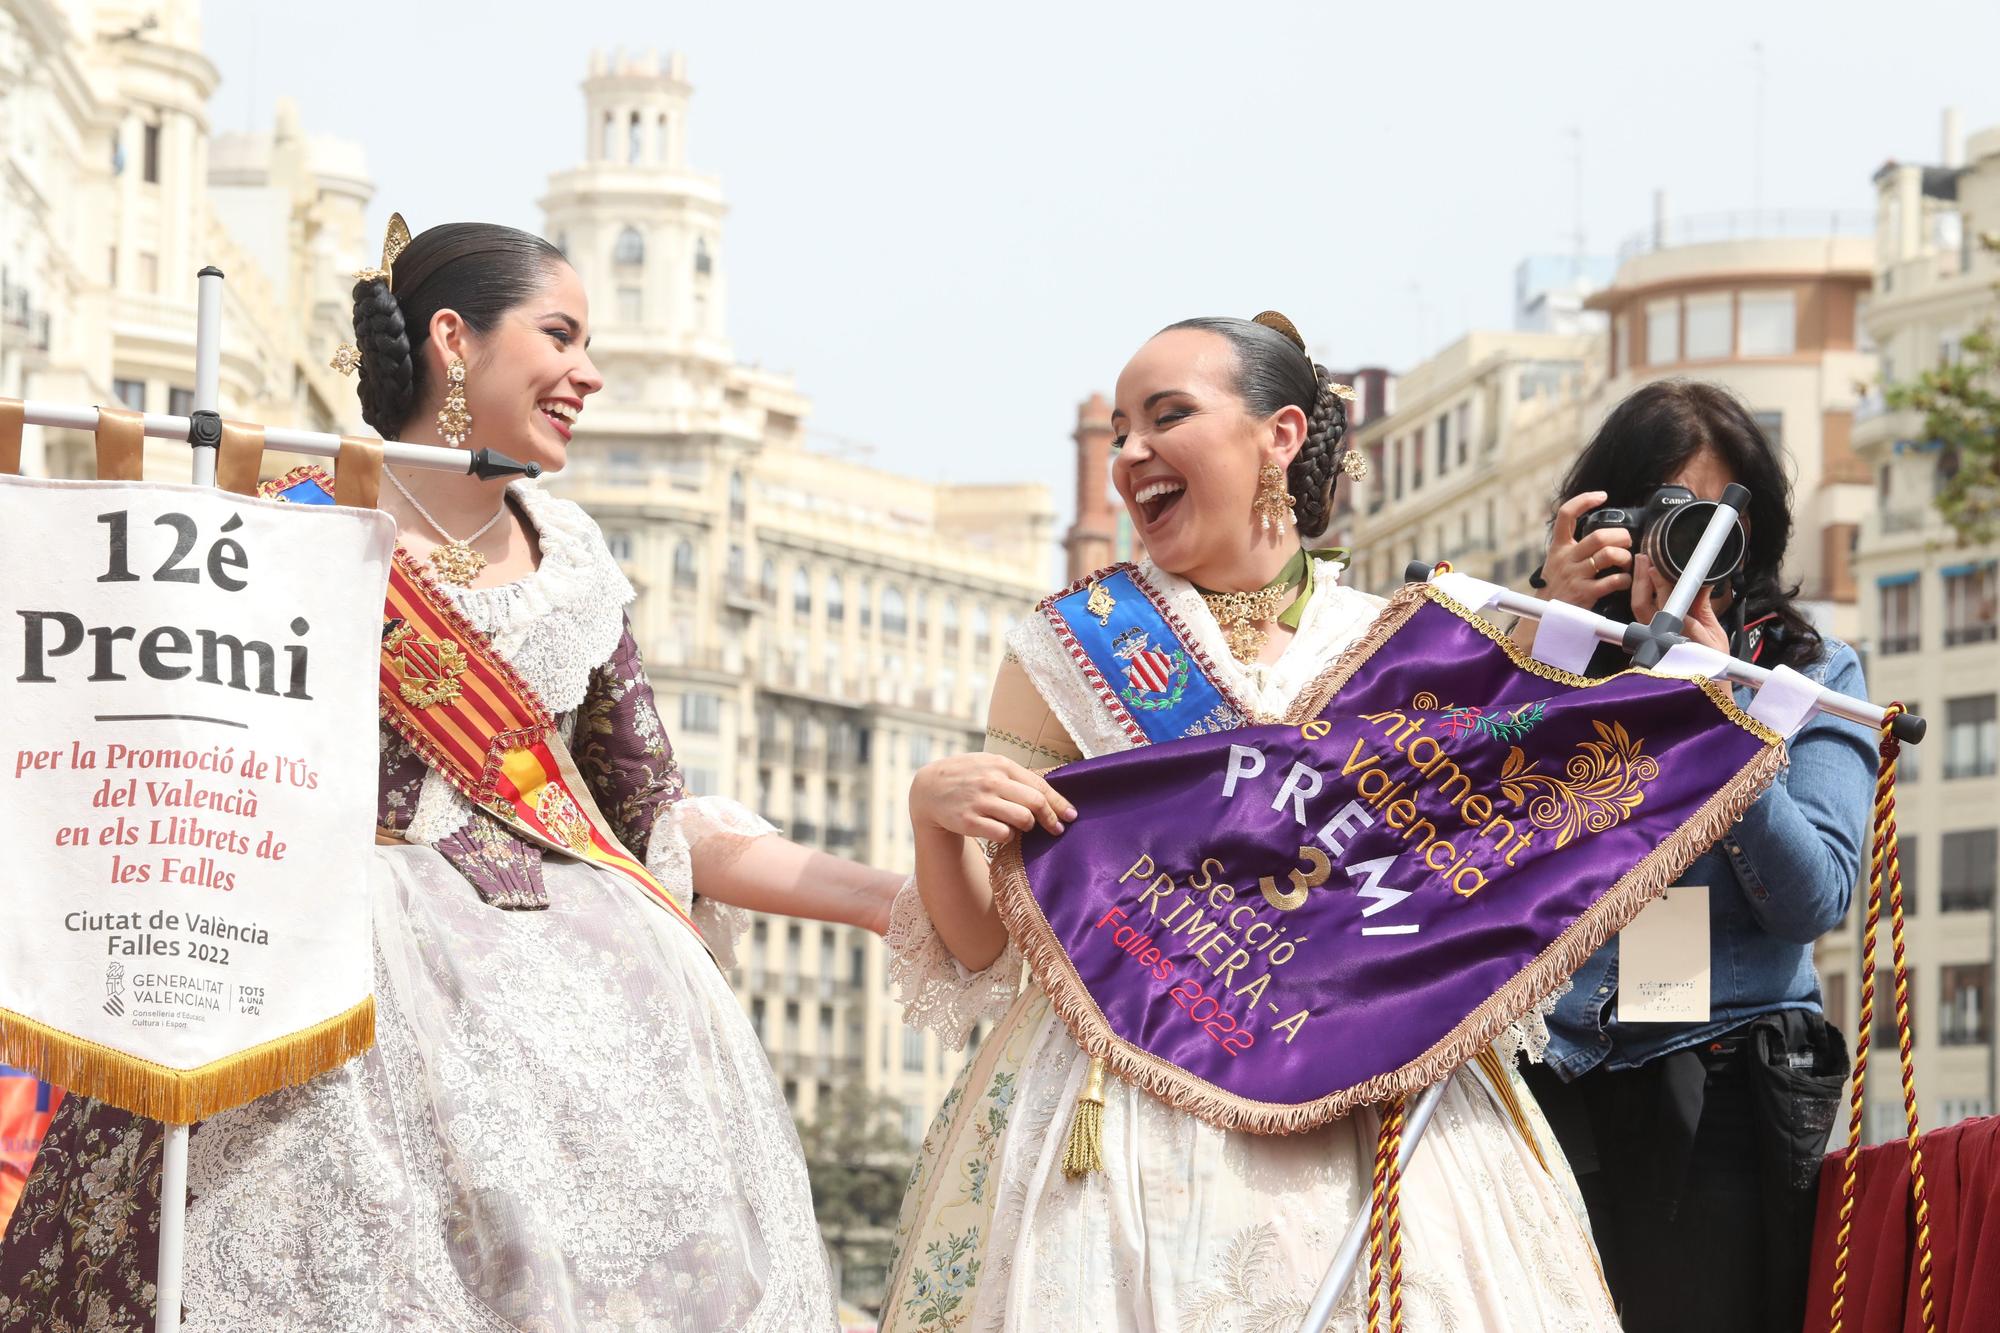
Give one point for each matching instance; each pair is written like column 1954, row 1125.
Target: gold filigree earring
column 454, row 418
column 1273, row 505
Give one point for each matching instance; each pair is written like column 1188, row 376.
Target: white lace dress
column 1191, row 1229
column 567, row 1123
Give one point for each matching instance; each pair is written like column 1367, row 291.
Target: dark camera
column 1667, row 528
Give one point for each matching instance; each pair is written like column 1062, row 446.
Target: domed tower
column 644, row 232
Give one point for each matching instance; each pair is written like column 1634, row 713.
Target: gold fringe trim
column 1085, row 1153
column 1534, row 983
column 183, row 1096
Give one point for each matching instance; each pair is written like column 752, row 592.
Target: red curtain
column 1962, row 1177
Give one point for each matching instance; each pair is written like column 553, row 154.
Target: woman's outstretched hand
column 979, row 795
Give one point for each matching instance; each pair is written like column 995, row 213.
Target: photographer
column 1697, row 1143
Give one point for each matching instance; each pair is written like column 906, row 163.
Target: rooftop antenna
column 1576, row 219
column 1757, row 146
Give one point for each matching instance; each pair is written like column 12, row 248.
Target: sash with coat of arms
column 466, row 711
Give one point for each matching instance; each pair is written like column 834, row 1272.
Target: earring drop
column 454, row 418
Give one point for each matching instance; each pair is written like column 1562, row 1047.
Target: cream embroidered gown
column 1191, row 1229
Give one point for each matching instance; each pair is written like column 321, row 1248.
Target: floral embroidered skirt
column 566, row 1124
column 1192, row 1228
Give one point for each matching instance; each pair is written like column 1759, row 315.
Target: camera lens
column 1672, row 540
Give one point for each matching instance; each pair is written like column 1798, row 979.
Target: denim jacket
column 1777, row 881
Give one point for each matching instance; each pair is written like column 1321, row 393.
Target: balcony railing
column 1963, row 634
column 1901, row 643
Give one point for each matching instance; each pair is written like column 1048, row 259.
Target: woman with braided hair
column 567, row 1122
column 1230, row 440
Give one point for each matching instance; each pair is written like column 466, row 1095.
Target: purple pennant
column 1272, row 925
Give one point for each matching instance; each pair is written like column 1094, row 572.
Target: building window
column 920, row 751
column 684, row 567
column 1768, row 321
column 836, row 602
column 180, row 402
column 767, row 582
column 737, row 506
column 1970, row 738
column 620, row 545
column 1444, row 442
column 802, row 592
column 1621, row 346
column 1901, row 612
column 1417, row 460
column 634, row 136
column 913, row 1126
column 1908, row 870
column 1396, row 451
column 857, row 967
column 630, row 249
column 1965, row 881
column 701, row 782
column 152, row 156
column 1708, row 319
column 757, row 1018
column 704, row 264
column 895, row 617
column 1663, row 332
column 149, row 273
column 132, row 393
column 913, row 1051
column 1969, row 603
column 701, row 713
column 1965, row 1004
column 1463, row 432
column 631, row 305
column 1772, row 424
column 1885, row 1009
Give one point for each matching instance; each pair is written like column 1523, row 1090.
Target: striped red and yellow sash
column 471, row 716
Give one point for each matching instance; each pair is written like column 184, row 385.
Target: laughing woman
column 566, row 1123
column 1229, row 437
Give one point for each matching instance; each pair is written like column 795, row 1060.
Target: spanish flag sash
column 470, row 715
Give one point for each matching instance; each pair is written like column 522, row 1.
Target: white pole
column 173, row 1236
column 207, row 362
column 315, row 444
column 1348, row 1256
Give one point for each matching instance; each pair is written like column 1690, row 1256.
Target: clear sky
column 952, row 223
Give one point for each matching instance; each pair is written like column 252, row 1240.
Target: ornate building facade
column 116, row 192
column 817, row 630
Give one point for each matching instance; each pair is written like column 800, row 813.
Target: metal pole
column 315, row 444
column 207, row 370
column 174, row 1155
column 1712, row 537
column 1909, row 727
column 1348, row 1256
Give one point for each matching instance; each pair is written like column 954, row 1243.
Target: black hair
column 1272, row 372
column 478, row 269
column 1656, row 432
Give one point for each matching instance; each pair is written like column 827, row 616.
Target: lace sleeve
column 679, row 829
column 936, row 990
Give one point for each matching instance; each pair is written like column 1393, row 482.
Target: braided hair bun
column 1315, row 468
column 388, row 372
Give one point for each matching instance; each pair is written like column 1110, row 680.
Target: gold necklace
column 1238, row 613
column 455, row 561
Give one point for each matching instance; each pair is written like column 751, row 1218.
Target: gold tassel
column 1086, row 1131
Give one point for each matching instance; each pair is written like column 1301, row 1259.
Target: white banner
column 187, row 789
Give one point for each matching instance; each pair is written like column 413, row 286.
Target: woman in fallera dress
column 1229, row 442
column 567, row 1123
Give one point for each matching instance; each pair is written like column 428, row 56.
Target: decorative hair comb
column 394, row 241
column 347, row 357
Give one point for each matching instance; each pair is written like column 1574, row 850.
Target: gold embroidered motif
column 1100, row 603
column 429, row 671
column 1601, row 790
